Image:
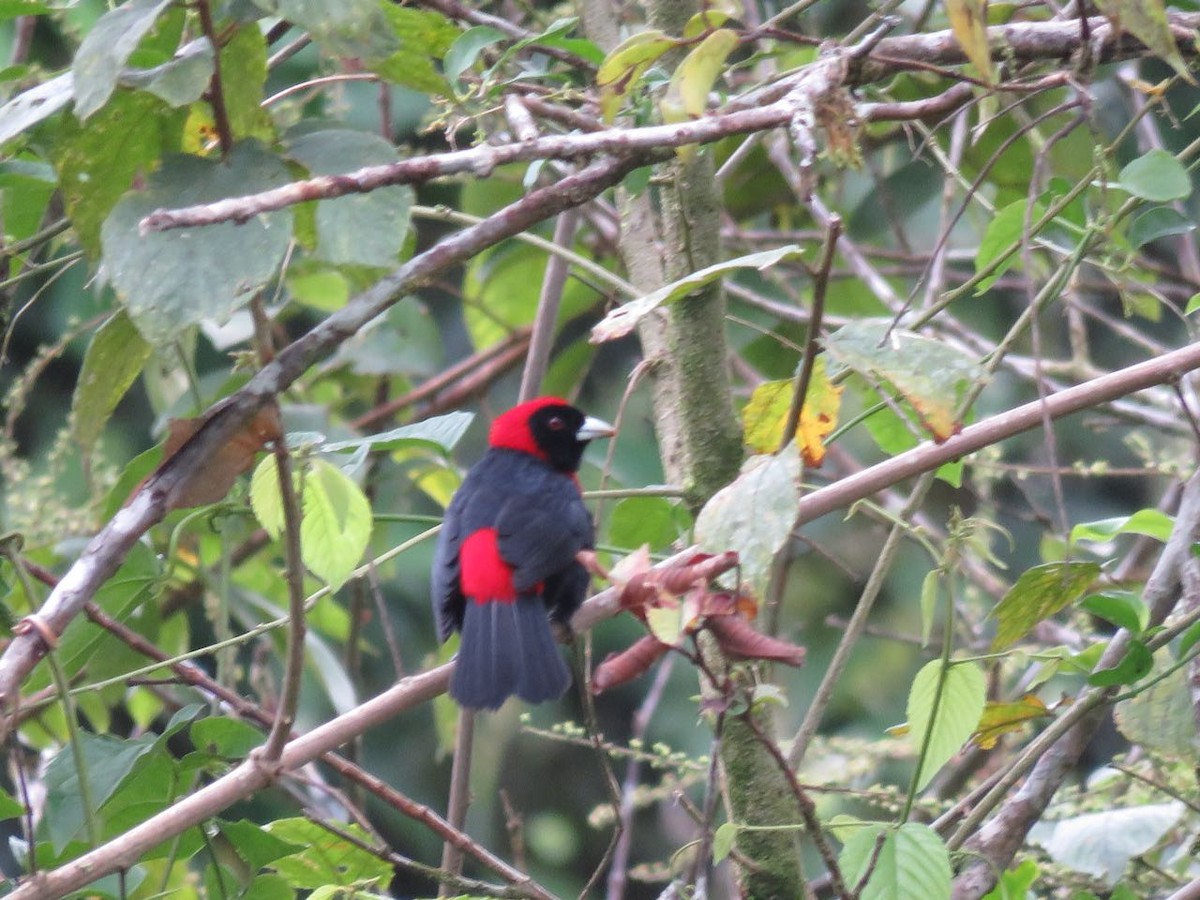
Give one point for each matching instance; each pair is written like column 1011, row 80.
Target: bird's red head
column 548, row 428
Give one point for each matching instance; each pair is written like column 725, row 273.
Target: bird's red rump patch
column 486, row 577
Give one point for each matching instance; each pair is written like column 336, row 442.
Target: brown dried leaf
column 212, row 480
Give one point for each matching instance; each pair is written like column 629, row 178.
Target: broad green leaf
column 1160, row 717
column 912, row 863
column 723, row 840
column 324, row 291
column 9, row 808
column 953, row 720
column 1121, row 608
column 223, row 736
column 968, row 21
column 643, row 520
column 1158, row 176
column 336, row 525
column 1014, row 884
column 103, row 53
column 1159, row 222
column 403, row 341
column 424, row 35
column 1147, row 21
column 97, row 162
column 243, row 75
column 1187, row 641
column 1003, row 239
column 754, row 515
column 179, row 81
column 625, row 65
column 622, row 320
column 256, row 845
column 687, row 94
column 931, row 375
column 1193, row 304
column 328, row 858
column 35, row 105
column 343, row 28
column 466, row 49
column 1134, row 665
column 1038, row 594
column 1149, row 522
column 1103, row 843
column 441, row 433
column 500, row 290
column 173, row 280
column 113, row 361
column 366, row 229
column 273, row 887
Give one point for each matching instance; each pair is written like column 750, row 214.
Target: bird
column 505, row 565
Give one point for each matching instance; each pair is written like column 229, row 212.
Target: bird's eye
column 556, row 424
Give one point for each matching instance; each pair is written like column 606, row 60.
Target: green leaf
column 424, row 35
column 179, row 81
column 1038, row 594
column 1188, row 640
column 1149, row 522
column 441, row 433
column 723, row 840
column 113, row 361
column 403, row 341
column 1014, row 884
column 1193, row 304
column 643, row 520
column 366, row 229
column 9, row 808
column 327, row 859
column 103, row 53
column 173, row 280
column 754, row 515
column 1156, row 175
column 622, row 320
column 1103, row 843
column 1121, row 608
column 35, row 105
column 956, row 717
column 1133, row 666
column 932, row 375
column 336, row 526
column 222, row 736
column 466, row 49
column 912, row 863
column 335, row 523
column 97, row 163
column 106, row 760
column 1159, row 222
column 243, row 75
column 1160, row 717
column 624, row 67
column 687, row 94
column 1002, row 240
column 256, row 845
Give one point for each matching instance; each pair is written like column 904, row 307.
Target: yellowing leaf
column 819, row 415
column 1000, row 718
column 931, row 375
column 764, row 416
column 687, row 94
column 1147, row 21
column 626, row 64
column 666, row 623
column 1039, row 593
column 968, row 21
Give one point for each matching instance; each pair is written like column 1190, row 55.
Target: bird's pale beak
column 594, row 428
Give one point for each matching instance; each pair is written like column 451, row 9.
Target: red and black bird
column 505, row 562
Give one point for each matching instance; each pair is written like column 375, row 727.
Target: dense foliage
column 893, row 303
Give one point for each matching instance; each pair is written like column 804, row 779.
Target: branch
column 772, row 107
column 105, row 552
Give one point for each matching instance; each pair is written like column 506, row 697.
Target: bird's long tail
column 507, row 648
